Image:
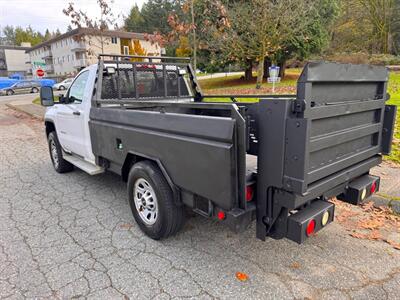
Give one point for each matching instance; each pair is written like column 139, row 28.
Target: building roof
column 90, row 31
column 13, row 47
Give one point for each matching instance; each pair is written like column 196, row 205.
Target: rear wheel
column 59, row 163
column 152, row 202
column 35, row 90
column 9, row 92
column 61, row 88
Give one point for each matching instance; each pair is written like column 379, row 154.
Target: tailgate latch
column 298, row 106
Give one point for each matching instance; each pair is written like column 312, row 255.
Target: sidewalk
column 28, row 107
column 219, row 75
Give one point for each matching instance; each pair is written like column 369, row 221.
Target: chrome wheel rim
column 54, row 154
column 145, row 201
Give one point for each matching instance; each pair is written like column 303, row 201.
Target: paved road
column 72, row 235
column 20, row 97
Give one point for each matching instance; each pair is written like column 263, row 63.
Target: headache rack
column 127, row 79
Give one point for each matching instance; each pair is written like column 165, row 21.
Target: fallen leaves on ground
column 126, row 226
column 296, row 265
column 251, row 91
column 368, row 222
column 242, row 276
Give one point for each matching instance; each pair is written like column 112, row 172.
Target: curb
column 382, row 201
column 17, row 108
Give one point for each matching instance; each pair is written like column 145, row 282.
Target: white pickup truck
column 277, row 161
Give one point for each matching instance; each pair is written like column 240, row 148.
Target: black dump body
column 295, row 149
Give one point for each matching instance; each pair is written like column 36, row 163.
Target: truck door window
column 77, row 89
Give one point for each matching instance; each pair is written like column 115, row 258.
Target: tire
column 59, row 163
column 157, row 215
column 35, row 90
column 9, row 92
column 61, row 88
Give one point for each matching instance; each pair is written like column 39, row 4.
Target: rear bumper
column 360, row 189
column 292, row 221
column 315, row 212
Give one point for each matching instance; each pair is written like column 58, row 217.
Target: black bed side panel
column 196, row 151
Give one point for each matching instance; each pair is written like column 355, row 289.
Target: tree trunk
column 248, row 74
column 282, row 69
column 260, row 73
column 194, row 38
column 267, row 64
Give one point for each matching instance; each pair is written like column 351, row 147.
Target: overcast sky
column 42, row 14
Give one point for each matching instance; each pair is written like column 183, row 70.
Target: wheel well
column 49, row 127
column 128, row 163
column 134, row 158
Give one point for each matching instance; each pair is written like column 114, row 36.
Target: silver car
column 21, row 87
column 63, row 85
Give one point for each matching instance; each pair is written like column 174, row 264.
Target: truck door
column 71, row 117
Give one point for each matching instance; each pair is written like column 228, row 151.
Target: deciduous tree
column 81, row 18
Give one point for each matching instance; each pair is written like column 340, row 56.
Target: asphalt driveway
column 73, row 236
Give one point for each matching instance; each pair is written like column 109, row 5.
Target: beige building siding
column 64, row 55
column 17, row 60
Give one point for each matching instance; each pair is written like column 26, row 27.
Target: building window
column 126, row 50
column 114, row 40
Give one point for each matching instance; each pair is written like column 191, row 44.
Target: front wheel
column 35, row 90
column 61, row 88
column 56, row 155
column 152, row 202
column 10, row 92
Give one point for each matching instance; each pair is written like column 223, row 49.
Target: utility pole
column 194, row 37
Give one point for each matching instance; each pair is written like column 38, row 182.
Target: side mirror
column 46, row 96
column 61, row 98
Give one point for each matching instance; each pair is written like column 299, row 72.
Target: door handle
column 76, row 113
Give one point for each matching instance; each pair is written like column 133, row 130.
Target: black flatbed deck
column 251, row 168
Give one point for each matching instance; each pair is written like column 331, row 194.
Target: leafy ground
column 236, row 85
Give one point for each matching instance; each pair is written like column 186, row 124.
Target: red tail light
column 310, row 227
column 249, row 192
column 221, row 215
column 373, row 187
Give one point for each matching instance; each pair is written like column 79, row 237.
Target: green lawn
column 36, row 101
column 394, row 91
column 236, row 85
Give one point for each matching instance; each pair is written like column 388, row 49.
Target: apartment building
column 71, row 51
column 14, row 59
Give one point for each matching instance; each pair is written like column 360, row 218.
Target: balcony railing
column 47, row 54
column 49, row 68
column 81, row 62
column 78, row 46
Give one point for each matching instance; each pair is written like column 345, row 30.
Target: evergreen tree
column 47, row 35
column 134, row 22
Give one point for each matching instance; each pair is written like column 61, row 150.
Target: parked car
column 277, row 161
column 63, row 85
column 21, row 87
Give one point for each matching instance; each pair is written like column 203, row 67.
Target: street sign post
column 273, row 76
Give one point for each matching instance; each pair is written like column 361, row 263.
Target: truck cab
column 70, row 116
